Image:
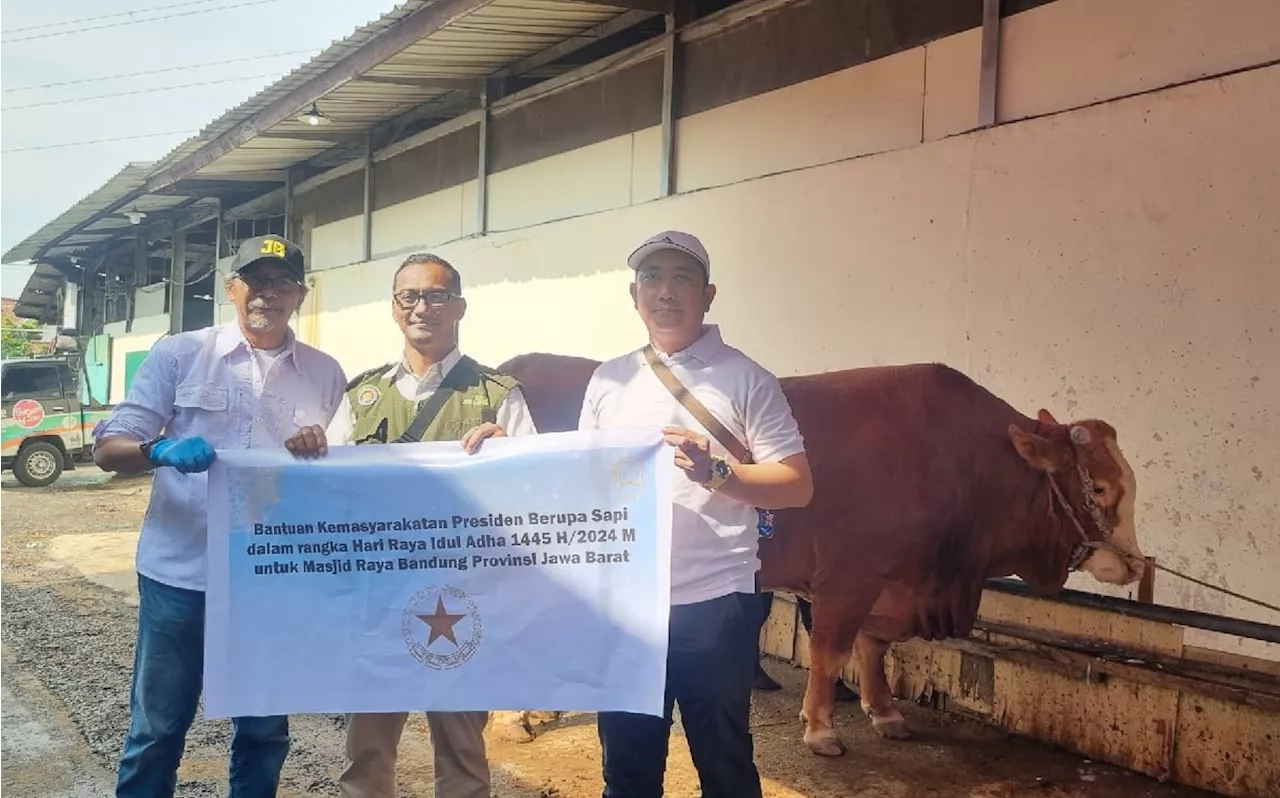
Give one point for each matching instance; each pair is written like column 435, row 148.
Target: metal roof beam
column 263, row 176
column 401, row 35
column 258, row 205
column 571, row 45
column 322, row 136
column 442, row 84
column 652, row 6
column 430, row 134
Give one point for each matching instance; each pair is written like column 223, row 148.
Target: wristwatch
column 720, row 473
column 145, row 446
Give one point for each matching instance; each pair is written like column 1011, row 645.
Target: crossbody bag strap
column 699, row 410
column 428, row 412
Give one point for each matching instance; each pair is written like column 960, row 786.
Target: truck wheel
column 38, row 464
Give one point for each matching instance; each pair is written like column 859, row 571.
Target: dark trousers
column 168, row 671
column 710, row 660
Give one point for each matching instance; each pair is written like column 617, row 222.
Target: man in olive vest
column 433, row 393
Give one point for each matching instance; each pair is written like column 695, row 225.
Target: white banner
column 405, row 577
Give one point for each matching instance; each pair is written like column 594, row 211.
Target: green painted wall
column 131, row 363
column 97, row 366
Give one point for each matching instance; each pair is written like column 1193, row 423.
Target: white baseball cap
column 672, row 239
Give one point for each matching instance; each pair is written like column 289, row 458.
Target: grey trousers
column 457, row 738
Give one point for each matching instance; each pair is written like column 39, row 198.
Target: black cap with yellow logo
column 271, row 248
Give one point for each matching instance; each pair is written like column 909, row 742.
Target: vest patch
column 383, row 414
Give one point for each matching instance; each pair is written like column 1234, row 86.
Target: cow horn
column 1079, row 435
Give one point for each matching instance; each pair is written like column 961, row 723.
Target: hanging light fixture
column 314, row 117
column 134, row 215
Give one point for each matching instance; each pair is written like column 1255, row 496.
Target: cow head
column 1094, row 487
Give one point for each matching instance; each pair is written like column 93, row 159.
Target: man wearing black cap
column 246, row 384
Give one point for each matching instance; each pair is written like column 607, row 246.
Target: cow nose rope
column 1081, row 551
column 1231, row 593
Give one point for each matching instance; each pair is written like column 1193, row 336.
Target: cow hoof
column 894, row 728
column 825, row 744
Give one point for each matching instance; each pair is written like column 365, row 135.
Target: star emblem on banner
column 441, row 622
column 421, row 629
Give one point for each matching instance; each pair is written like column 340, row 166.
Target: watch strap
column 146, row 446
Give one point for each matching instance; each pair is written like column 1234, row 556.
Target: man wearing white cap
column 738, row 452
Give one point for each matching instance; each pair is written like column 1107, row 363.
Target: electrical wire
column 99, row 141
column 78, row 20
column 136, row 91
column 136, row 21
column 157, row 71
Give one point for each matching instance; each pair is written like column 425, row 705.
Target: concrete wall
column 1107, row 252
column 146, row 330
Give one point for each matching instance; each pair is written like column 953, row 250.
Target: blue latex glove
column 187, row 455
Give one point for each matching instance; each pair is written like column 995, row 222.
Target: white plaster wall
column 1114, row 261
column 1072, row 53
column 337, row 244
column 592, row 178
column 870, row 108
column 422, row 221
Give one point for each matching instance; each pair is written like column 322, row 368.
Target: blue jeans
column 168, row 674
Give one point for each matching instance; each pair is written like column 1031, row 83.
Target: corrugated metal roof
column 494, row 35
column 481, row 43
column 128, row 179
column 41, row 298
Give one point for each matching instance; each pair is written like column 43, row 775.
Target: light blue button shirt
column 208, row 383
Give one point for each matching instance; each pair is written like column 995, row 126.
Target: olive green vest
column 383, row 414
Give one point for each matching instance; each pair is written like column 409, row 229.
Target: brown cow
column 925, row 484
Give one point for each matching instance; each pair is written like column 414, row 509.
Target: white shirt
column 714, row 537
column 209, row 383
column 513, row 413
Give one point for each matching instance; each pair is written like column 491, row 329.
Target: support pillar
column 177, row 280
column 482, row 169
column 288, row 206
column 367, row 248
column 141, row 264
column 990, row 69
column 667, row 176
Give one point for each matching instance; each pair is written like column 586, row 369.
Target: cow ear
column 1037, row 451
column 1046, row 417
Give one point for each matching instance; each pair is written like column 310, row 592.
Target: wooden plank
column 1128, row 724
column 778, row 637
column 1147, row 587
column 1137, row 633
column 1238, row 661
column 1233, row 748
column 1210, row 672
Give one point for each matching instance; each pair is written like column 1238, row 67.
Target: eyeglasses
column 408, row 300
column 282, row 283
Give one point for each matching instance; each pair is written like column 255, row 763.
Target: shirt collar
column 702, row 350
column 436, row 372
column 231, row 338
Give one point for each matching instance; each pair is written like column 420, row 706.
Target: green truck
column 48, row 417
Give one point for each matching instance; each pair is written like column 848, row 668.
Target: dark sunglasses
column 281, row 282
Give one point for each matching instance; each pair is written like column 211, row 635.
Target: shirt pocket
column 203, row 409
column 306, row 414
